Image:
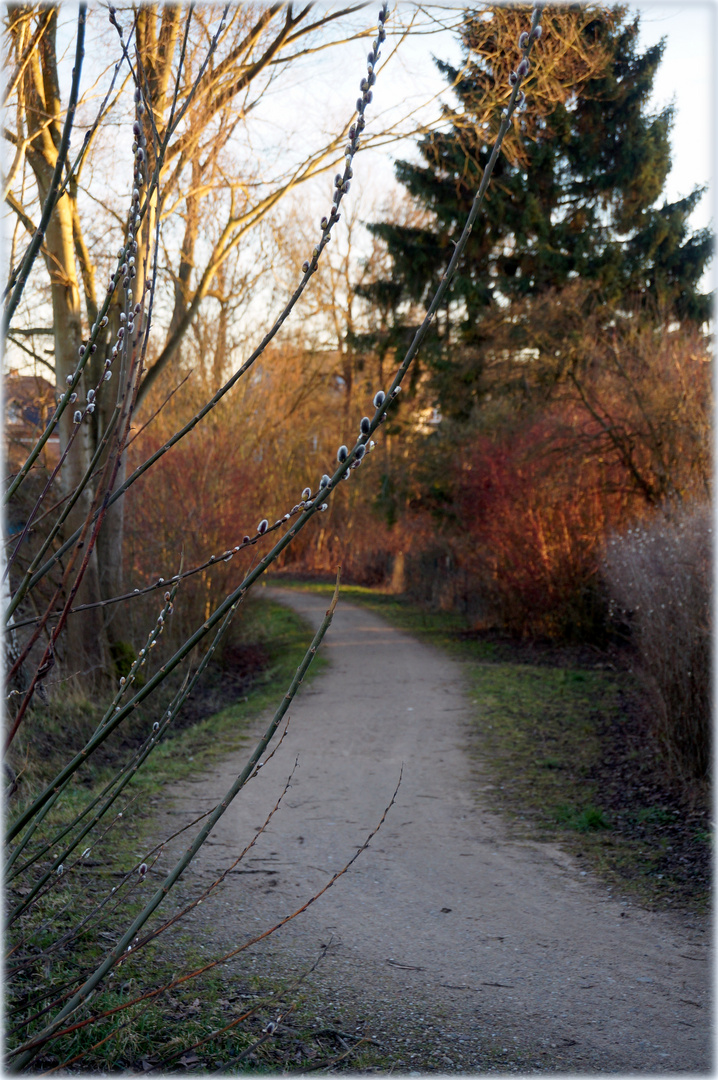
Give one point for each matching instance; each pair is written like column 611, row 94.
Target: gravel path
column 453, row 944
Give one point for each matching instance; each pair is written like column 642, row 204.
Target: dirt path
column 450, row 940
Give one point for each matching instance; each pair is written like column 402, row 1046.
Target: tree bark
column 85, row 642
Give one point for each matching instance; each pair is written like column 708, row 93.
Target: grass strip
column 285, row 637
column 562, row 736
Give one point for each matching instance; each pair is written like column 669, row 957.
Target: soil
column 451, row 943
column 241, row 666
column 630, row 775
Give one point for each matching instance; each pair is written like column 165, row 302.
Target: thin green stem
column 25, row 583
column 217, row 397
column 125, row 943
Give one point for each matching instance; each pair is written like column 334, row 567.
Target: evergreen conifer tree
column 576, row 197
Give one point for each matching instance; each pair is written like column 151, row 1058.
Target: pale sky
column 685, row 76
column 320, row 97
column 316, row 97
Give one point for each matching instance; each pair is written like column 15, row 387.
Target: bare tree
column 44, row 848
column 195, row 90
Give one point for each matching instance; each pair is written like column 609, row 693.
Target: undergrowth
column 251, row 667
column 283, row 637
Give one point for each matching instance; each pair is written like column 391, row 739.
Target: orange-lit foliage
column 646, row 392
column 642, row 383
column 199, row 504
column 516, row 534
column 534, row 512
column 252, row 459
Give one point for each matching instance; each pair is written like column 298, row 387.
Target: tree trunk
column 85, row 646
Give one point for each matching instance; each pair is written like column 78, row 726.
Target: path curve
column 489, row 944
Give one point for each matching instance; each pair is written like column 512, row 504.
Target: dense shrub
column 250, row 460
column 534, row 515
column 659, row 577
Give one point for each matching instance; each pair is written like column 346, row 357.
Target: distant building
column 29, row 404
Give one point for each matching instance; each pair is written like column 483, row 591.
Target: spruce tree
column 576, row 197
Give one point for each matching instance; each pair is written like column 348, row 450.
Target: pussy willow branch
column 40, row 1040
column 70, row 502
column 156, row 851
column 109, row 475
column 119, row 783
column 48, row 657
column 149, row 862
column 309, row 269
column 340, row 472
column 112, row 707
column 152, row 186
column 53, row 193
column 416, row 343
column 61, row 502
column 127, row 771
column 37, row 821
column 234, row 1060
column 257, row 1007
column 382, row 407
column 218, row 881
column 126, row 774
column 38, row 503
column 464, row 238
column 114, row 894
column 96, row 520
column 214, row 561
column 184, row 650
column 125, row 942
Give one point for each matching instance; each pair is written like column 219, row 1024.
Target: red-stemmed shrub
column 535, row 510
